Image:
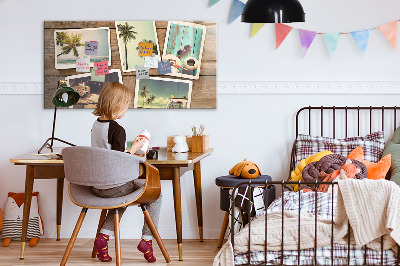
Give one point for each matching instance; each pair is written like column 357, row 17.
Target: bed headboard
column 347, row 116
column 344, row 121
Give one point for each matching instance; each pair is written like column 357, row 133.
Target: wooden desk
column 171, row 167
column 40, row 167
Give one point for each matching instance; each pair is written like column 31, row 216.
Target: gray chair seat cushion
column 83, row 196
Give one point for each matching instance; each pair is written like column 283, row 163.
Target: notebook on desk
column 53, row 155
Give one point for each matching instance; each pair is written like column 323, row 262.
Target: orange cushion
column 375, row 170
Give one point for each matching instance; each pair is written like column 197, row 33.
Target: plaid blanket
column 323, row 205
column 340, row 254
column 306, row 201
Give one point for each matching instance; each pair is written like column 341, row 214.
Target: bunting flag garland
column 213, row 2
column 306, row 39
column 389, row 30
column 361, row 37
column 281, row 31
column 332, row 41
column 237, row 8
column 256, row 27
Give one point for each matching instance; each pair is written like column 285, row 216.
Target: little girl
column 113, row 103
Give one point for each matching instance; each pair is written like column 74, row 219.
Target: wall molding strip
column 309, row 87
column 21, row 88
column 260, row 87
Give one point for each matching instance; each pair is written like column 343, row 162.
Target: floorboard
column 50, row 252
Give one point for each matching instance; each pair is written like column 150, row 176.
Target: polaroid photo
column 163, row 93
column 183, row 47
column 89, row 90
column 70, row 45
column 129, row 35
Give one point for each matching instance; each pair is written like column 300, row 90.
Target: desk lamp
column 273, row 11
column 63, row 97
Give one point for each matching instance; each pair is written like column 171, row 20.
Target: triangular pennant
column 213, row 2
column 361, row 37
column 306, row 39
column 281, row 31
column 255, row 28
column 237, row 8
column 389, row 30
column 332, row 41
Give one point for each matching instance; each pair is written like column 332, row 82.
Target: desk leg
column 199, row 204
column 27, row 206
column 60, row 190
column 176, row 182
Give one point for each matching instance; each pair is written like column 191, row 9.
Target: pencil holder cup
column 200, row 143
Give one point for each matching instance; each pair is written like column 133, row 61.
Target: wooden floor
column 50, row 252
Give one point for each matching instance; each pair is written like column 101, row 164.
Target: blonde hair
column 112, row 99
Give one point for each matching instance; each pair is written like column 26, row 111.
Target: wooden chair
column 85, row 167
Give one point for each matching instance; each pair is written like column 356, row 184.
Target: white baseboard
column 260, row 87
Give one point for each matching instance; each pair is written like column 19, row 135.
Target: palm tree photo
column 150, row 100
column 126, row 33
column 69, row 43
column 144, row 90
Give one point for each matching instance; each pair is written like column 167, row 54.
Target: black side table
column 226, row 183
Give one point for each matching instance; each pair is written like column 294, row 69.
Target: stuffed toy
column 348, row 170
column 328, row 164
column 13, row 215
column 296, row 174
column 375, row 170
column 245, row 169
column 180, row 144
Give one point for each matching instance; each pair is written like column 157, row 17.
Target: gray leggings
column 154, row 208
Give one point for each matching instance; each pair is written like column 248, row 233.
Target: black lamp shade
column 273, row 11
column 65, row 96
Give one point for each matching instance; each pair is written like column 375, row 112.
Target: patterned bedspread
column 323, row 207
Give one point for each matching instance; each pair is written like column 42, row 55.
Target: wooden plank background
column 204, row 91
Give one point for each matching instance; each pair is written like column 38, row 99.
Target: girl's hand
column 137, row 144
column 142, row 155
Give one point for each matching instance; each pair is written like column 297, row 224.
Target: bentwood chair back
column 85, row 167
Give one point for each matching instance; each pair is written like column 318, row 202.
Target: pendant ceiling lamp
column 273, row 11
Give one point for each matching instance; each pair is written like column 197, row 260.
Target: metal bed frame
column 283, row 184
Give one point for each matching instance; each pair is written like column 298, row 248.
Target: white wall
column 259, row 127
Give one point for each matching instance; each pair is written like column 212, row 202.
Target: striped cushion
column 13, row 228
column 372, row 145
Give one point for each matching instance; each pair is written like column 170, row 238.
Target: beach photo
column 89, row 90
column 70, row 45
column 129, row 35
column 184, row 48
column 162, row 93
